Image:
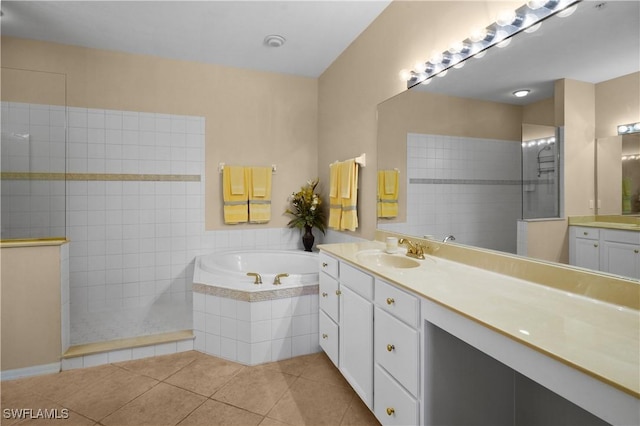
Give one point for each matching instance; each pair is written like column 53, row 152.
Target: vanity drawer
column 328, row 300
column 328, row 337
column 398, row 303
column 618, row 236
column 392, row 404
column 396, row 348
column 357, row 280
column 328, row 265
column 587, row 233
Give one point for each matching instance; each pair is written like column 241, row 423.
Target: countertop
column 624, row 223
column 598, row 338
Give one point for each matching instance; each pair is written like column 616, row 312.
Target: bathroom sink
column 380, row 258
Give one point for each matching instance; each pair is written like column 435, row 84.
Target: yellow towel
column 235, row 206
column 388, row 193
column 349, row 178
column 260, row 194
column 335, row 202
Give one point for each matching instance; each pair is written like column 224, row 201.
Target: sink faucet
column 449, row 238
column 413, row 250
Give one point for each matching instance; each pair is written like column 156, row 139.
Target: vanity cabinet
column 329, row 315
column 607, row 250
column 397, row 355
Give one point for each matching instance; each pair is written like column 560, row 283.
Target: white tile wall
column 467, row 187
column 255, row 332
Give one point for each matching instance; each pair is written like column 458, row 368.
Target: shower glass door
column 540, row 172
column 33, row 152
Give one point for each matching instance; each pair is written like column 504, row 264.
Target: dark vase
column 307, row 238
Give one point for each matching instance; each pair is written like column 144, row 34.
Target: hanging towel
column 260, row 195
column 335, row 202
column 388, row 193
column 235, row 205
column 349, row 185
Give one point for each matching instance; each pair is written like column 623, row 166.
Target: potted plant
column 305, row 207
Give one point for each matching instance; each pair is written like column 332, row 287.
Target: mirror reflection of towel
column 388, row 193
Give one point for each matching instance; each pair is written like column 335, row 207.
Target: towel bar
column 221, row 167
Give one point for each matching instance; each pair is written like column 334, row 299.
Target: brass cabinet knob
column 390, row 301
column 390, row 411
column 325, row 264
column 595, row 245
column 390, row 347
column 338, row 292
column 636, row 251
column 585, row 233
column 325, row 336
column 325, row 294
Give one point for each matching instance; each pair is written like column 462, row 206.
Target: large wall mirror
column 472, row 158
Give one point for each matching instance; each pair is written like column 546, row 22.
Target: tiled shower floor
column 135, row 322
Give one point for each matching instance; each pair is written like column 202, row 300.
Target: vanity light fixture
column 521, row 93
column 527, row 17
column 625, row 129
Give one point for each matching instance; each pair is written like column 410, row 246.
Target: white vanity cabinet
column 329, row 316
column 607, row 250
column 356, row 330
column 397, row 355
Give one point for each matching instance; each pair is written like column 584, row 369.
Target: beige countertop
column 598, row 338
column 625, row 223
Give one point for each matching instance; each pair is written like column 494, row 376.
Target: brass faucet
column 413, row 250
column 276, row 280
column 258, row 278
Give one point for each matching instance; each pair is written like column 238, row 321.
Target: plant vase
column 307, row 238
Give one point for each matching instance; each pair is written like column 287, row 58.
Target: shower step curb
column 99, row 353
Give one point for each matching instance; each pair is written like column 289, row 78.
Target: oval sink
column 378, row 258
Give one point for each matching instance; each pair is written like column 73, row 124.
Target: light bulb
column 436, row 57
column 420, row 66
column 532, row 143
column 480, row 54
column 459, row 65
column 623, row 129
column 405, row 75
column 533, row 28
column 636, row 127
column 521, row 93
column 624, row 157
column 504, row 43
column 506, row 17
column 478, row 34
column 535, row 4
column 443, row 73
column 425, row 82
column 456, row 47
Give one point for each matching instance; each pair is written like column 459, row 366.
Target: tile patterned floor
column 191, row 388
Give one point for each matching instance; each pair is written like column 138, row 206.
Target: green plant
column 306, row 208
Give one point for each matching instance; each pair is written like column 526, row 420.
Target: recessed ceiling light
column 521, row 93
column 274, row 40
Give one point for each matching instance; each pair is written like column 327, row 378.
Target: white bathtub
column 229, row 269
column 235, row 319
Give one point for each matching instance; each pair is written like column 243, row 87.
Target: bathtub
column 229, row 269
column 235, row 319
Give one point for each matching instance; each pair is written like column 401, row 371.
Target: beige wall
column 30, row 315
column 617, row 102
column 414, row 111
column 366, row 74
column 541, row 113
column 252, row 118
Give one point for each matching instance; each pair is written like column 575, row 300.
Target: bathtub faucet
column 258, row 277
column 276, row 280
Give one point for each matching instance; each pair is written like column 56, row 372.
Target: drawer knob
column 338, row 292
column 636, row 251
column 585, row 233
column 324, row 294
column 325, row 264
column 390, row 411
column 390, row 301
column 390, row 347
column 595, row 245
column 325, row 336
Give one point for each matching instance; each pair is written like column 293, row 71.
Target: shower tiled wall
column 467, row 187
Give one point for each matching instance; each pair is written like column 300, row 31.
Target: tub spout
column 276, row 280
column 258, row 277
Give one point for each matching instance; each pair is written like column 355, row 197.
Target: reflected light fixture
column 625, row 129
column 521, row 93
column 274, row 40
column 527, row 17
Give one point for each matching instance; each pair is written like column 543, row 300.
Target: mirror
column 465, row 130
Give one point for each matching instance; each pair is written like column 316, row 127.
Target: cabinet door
column 621, row 259
column 587, row 253
column 356, row 343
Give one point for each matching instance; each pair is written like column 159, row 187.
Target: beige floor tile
column 309, row 402
column 58, row 387
column 272, row 422
column 102, row 398
column 205, row 375
column 160, row 367
column 256, row 390
column 162, row 405
column 323, row 370
column 294, row 366
column 359, row 414
column 73, row 419
column 216, row 413
column 19, row 400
